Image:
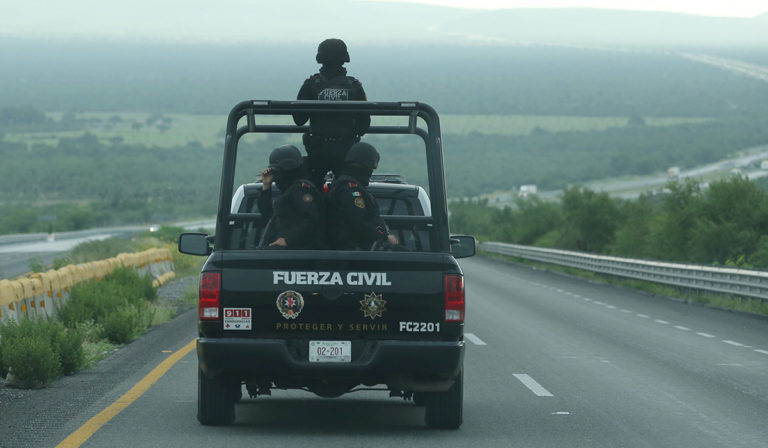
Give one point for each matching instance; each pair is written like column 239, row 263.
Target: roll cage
column 252, row 110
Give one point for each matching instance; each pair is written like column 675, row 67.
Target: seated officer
column 296, row 218
column 354, row 220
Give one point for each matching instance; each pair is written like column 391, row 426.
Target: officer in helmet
column 295, row 219
column 354, row 220
column 330, row 137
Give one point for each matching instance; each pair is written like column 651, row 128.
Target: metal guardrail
column 739, row 282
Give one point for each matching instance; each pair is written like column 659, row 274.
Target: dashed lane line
column 474, row 339
column 531, row 384
column 477, row 341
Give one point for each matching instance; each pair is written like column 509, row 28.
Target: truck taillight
column 210, row 287
column 454, row 298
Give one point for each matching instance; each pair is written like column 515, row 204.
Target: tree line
column 725, row 224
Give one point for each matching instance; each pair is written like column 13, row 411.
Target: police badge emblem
column 360, row 202
column 290, row 304
column 373, row 305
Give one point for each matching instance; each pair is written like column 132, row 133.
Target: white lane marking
column 597, row 302
column 577, row 296
column 706, row 335
column 474, row 339
column 561, row 413
column 734, row 343
column 765, row 352
column 559, row 290
column 586, row 299
column 610, row 307
column 644, row 316
column 680, row 327
column 623, row 310
column 531, row 384
column 662, row 322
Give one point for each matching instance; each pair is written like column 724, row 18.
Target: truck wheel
column 215, row 399
column 444, row 409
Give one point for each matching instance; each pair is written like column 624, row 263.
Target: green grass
column 209, row 129
column 721, row 301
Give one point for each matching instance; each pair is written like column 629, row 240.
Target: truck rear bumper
column 371, row 359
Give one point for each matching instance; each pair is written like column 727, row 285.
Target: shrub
column 70, row 348
column 67, row 345
column 31, row 360
column 126, row 324
column 96, row 301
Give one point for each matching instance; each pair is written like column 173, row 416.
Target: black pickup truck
column 327, row 321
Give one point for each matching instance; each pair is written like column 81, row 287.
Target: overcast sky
column 282, row 21
column 721, row 8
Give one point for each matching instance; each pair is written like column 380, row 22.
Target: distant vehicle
column 673, row 172
column 331, row 321
column 527, row 190
column 154, row 227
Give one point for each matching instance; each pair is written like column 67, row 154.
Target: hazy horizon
column 396, row 22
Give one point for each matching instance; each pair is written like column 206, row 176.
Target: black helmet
column 363, row 154
column 332, row 50
column 285, row 158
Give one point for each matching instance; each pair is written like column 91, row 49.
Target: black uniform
column 354, row 220
column 297, row 216
column 331, row 135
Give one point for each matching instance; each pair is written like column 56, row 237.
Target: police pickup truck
column 332, row 322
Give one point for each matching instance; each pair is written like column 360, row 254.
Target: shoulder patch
column 360, row 202
column 307, row 197
column 306, row 185
column 352, row 185
column 356, row 194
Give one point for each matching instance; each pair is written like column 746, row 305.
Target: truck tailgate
column 336, row 295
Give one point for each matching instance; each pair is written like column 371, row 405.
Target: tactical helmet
column 285, row 158
column 332, row 50
column 364, row 154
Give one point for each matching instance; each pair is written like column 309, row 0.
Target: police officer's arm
column 305, row 93
column 357, row 206
column 362, row 122
column 265, row 205
column 305, row 208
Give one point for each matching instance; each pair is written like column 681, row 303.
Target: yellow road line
column 82, row 434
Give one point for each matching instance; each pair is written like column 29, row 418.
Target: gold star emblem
column 373, row 305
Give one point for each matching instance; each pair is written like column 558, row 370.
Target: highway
column 551, row 361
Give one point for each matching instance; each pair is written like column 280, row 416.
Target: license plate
column 330, row 351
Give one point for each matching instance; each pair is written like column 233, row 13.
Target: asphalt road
column 551, row 361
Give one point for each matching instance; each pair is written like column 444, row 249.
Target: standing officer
column 296, row 219
column 354, row 220
column 331, row 136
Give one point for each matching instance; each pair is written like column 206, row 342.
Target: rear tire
column 215, row 399
column 444, row 410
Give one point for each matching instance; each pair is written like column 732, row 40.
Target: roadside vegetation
column 723, row 225
column 98, row 316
